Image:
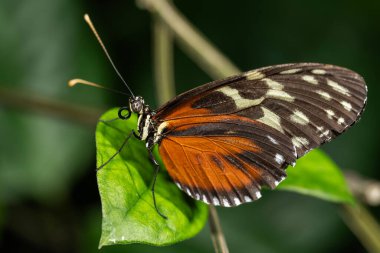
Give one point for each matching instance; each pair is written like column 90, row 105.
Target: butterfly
column 223, row 141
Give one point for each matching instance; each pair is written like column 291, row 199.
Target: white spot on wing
column 278, row 182
column 295, row 151
column 258, row 195
column 299, row 141
column 279, row 159
column 290, row 71
column 324, row 94
column 330, row 113
column 273, row 140
column 215, row 201
column 320, row 128
column 275, row 91
column 237, row 201
column 197, row 196
column 318, row 71
column 273, row 84
column 179, row 186
column 337, row 87
column 341, row 121
column 240, row 102
column 225, row 202
column 299, row 118
column 346, row 105
column 254, row 75
column 271, row 119
column 279, row 94
column 325, row 133
column 310, row 79
column 188, row 191
column 204, row 199
column 247, row 198
column 322, row 133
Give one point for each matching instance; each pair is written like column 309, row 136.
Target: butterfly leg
column 155, row 163
column 118, row 151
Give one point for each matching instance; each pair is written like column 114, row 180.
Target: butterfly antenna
column 76, row 81
column 91, row 25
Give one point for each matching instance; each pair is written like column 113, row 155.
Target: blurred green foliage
column 317, row 175
column 48, row 193
column 39, row 155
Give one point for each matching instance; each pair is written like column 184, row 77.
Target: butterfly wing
column 221, row 142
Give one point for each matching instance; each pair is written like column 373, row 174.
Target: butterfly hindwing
column 224, row 140
column 229, row 162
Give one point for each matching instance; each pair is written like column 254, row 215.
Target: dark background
column 48, row 193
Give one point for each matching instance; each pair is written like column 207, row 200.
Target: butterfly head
column 137, row 105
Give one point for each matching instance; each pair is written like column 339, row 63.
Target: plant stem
column 196, row 46
column 363, row 225
column 163, row 61
column 217, row 235
column 44, row 105
column 365, row 189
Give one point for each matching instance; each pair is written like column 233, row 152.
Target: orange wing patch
column 183, row 111
column 225, row 159
column 212, row 169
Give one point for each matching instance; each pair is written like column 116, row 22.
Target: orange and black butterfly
column 221, row 142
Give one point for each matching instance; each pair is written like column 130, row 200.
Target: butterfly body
column 222, row 141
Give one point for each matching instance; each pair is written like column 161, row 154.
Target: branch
column 363, row 225
column 217, row 235
column 365, row 189
column 202, row 51
column 44, row 105
column 163, row 61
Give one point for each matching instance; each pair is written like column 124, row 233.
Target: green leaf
column 124, row 185
column 317, row 175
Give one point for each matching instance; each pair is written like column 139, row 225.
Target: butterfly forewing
column 223, row 141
